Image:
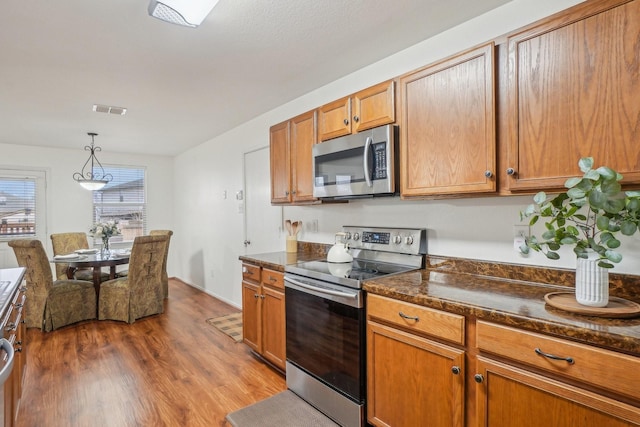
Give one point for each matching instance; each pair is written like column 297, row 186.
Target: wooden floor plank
column 168, row 370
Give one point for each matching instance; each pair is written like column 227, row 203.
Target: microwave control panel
column 380, row 160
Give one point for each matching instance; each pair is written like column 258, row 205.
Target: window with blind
column 18, row 206
column 123, row 200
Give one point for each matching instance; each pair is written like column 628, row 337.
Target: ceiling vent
column 109, row 109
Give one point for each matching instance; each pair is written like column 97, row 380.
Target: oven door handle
column 321, row 290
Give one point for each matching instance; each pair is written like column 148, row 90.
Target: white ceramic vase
column 592, row 281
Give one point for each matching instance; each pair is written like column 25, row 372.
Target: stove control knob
column 408, row 240
column 397, row 239
column 356, row 236
column 347, row 235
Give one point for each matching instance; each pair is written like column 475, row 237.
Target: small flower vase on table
column 104, row 251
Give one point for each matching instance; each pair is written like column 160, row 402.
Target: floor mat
column 231, row 324
column 284, row 409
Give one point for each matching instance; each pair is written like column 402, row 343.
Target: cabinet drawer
column 416, row 318
column 272, row 278
column 251, row 272
column 590, row 365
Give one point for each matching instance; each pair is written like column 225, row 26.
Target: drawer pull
column 455, row 370
column 569, row 360
column 478, row 378
column 404, row 316
column 273, row 279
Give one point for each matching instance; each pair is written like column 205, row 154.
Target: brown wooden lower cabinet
column 263, row 315
column 491, row 375
column 412, row 379
column 510, row 396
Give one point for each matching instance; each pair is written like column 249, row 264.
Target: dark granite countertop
column 503, row 293
column 507, row 301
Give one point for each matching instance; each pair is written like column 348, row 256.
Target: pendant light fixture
column 94, row 178
column 189, row 13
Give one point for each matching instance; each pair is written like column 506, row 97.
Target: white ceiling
column 184, row 86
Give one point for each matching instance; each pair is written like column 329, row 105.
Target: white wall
column 69, row 206
column 210, row 230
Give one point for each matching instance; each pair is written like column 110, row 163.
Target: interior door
column 262, row 221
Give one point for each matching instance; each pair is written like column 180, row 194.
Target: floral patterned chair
column 165, row 276
column 140, row 293
column 51, row 305
column 66, row 243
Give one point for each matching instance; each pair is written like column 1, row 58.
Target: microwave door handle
column 367, row 174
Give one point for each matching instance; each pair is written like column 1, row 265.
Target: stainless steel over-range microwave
column 358, row 165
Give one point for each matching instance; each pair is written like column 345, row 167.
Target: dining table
column 95, row 260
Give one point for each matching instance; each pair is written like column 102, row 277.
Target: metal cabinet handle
column 273, row 279
column 488, row 174
column 346, row 121
column 478, row 378
column 404, row 316
column 511, row 171
column 455, row 370
column 286, row 193
column 245, row 269
column 11, row 326
column 569, row 360
column 19, row 305
column 262, row 296
column 256, row 296
column 356, row 119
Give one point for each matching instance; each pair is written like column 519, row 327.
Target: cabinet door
column 509, row 396
column 251, row 316
column 374, row 106
column 411, row 380
column 280, row 163
column 448, row 142
column 573, row 85
column 303, row 136
column 273, row 327
column 334, row 119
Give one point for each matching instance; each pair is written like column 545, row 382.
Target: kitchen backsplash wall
column 476, row 228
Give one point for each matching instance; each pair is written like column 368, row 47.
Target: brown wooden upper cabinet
column 573, row 88
column 291, row 160
column 447, row 126
column 366, row 109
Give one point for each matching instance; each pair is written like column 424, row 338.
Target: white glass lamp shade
column 93, row 185
column 189, row 13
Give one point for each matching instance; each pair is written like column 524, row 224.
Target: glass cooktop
column 350, row 274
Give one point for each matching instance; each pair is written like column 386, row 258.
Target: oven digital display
column 379, row 238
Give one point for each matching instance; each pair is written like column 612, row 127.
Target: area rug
column 231, row 324
column 284, row 409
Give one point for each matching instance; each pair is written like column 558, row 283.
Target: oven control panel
column 398, row 240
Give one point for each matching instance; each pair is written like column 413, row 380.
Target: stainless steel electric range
column 325, row 318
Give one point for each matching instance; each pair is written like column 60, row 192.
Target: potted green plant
column 588, row 216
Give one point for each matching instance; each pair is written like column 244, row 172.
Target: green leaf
column 552, row 255
column 610, row 188
column 549, row 234
column 568, row 240
column 540, row 197
column 585, row 164
column 628, row 228
column 607, row 173
column 613, row 256
column 605, row 264
column 576, row 193
column 533, row 220
column 613, row 243
column 592, row 175
column 602, row 222
column 524, row 249
column 597, row 199
column 572, row 182
column 553, row 246
column 613, row 206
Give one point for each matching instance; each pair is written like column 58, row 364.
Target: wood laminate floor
column 168, row 370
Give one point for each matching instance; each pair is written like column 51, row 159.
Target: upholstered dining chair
column 51, row 304
column 66, row 243
column 165, row 276
column 140, row 293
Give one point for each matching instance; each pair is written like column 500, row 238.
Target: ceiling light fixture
column 94, row 178
column 189, row 13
